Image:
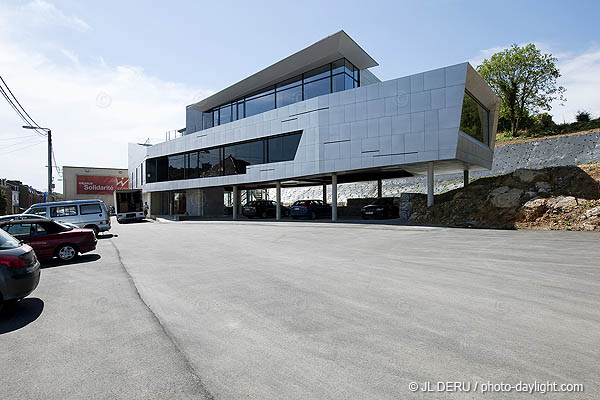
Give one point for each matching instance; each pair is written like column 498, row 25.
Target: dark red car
column 52, row 239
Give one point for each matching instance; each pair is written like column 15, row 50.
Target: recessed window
column 474, row 119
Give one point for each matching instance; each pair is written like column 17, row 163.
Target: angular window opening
column 474, row 119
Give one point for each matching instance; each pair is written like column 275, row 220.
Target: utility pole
column 49, row 163
column 49, row 135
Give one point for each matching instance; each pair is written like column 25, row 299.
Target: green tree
column 525, row 81
column 583, row 116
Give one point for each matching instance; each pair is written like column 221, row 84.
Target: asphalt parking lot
column 307, row 310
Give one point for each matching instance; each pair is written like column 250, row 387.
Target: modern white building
column 319, row 117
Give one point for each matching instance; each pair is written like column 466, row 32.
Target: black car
column 19, row 269
column 383, row 207
column 310, row 209
column 263, row 209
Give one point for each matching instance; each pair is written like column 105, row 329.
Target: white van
column 91, row 214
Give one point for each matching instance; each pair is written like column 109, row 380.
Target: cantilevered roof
column 322, row 52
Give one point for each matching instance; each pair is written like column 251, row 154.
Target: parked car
column 19, row 269
column 52, row 239
column 90, row 214
column 383, row 207
column 18, row 217
column 310, row 209
column 263, row 209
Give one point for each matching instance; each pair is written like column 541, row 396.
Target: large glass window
column 209, row 162
column 289, row 96
column 474, row 119
column 317, row 88
column 191, row 165
column 176, row 167
column 223, row 160
column 283, row 148
column 259, row 105
column 225, row 114
column 334, row 77
column 237, row 157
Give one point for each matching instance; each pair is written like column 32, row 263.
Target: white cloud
column 580, row 76
column 42, row 13
column 94, row 110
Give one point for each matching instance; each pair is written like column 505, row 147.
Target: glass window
column 19, row 230
column 234, row 116
column 317, row 88
column 191, row 165
column 474, row 119
column 209, row 162
column 260, row 104
column 295, row 81
column 225, row 114
column 283, row 148
column 162, row 168
column 338, row 66
column 240, row 109
column 86, row 209
column 207, row 120
column 289, row 96
column 237, row 157
column 7, row 241
column 176, row 167
column 317, row 73
column 337, row 82
column 63, row 211
column 215, row 117
column 350, row 83
column 151, row 170
column 260, row 93
column 41, row 211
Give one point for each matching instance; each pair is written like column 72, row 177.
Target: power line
column 11, row 93
column 20, row 112
column 22, row 148
column 19, row 137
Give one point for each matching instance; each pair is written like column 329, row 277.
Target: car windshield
column 7, row 241
column 302, row 203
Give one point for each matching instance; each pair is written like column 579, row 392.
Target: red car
column 52, row 239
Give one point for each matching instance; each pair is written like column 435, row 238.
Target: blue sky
column 106, row 73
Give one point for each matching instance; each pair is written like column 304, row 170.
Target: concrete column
column 430, row 184
column 466, row 177
column 324, row 193
column 379, row 189
column 333, row 197
column 278, row 209
column 235, row 202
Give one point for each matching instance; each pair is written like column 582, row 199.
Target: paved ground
column 309, row 310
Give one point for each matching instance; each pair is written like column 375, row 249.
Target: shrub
column 583, row 116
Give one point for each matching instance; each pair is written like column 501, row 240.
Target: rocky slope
column 551, row 198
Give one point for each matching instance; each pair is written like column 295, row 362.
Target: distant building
column 82, row 183
column 18, row 196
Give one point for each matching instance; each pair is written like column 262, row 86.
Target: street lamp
column 49, row 132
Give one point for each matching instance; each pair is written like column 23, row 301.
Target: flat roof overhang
column 354, row 176
column 339, row 45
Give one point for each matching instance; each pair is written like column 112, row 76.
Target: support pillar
column 466, row 177
column 430, row 184
column 324, row 193
column 278, row 208
column 235, row 202
column 334, row 197
column 379, row 189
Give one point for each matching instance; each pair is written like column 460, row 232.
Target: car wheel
column 313, row 215
column 66, row 252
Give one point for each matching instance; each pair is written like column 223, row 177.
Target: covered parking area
column 354, row 176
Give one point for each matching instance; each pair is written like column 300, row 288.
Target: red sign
column 89, row 184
